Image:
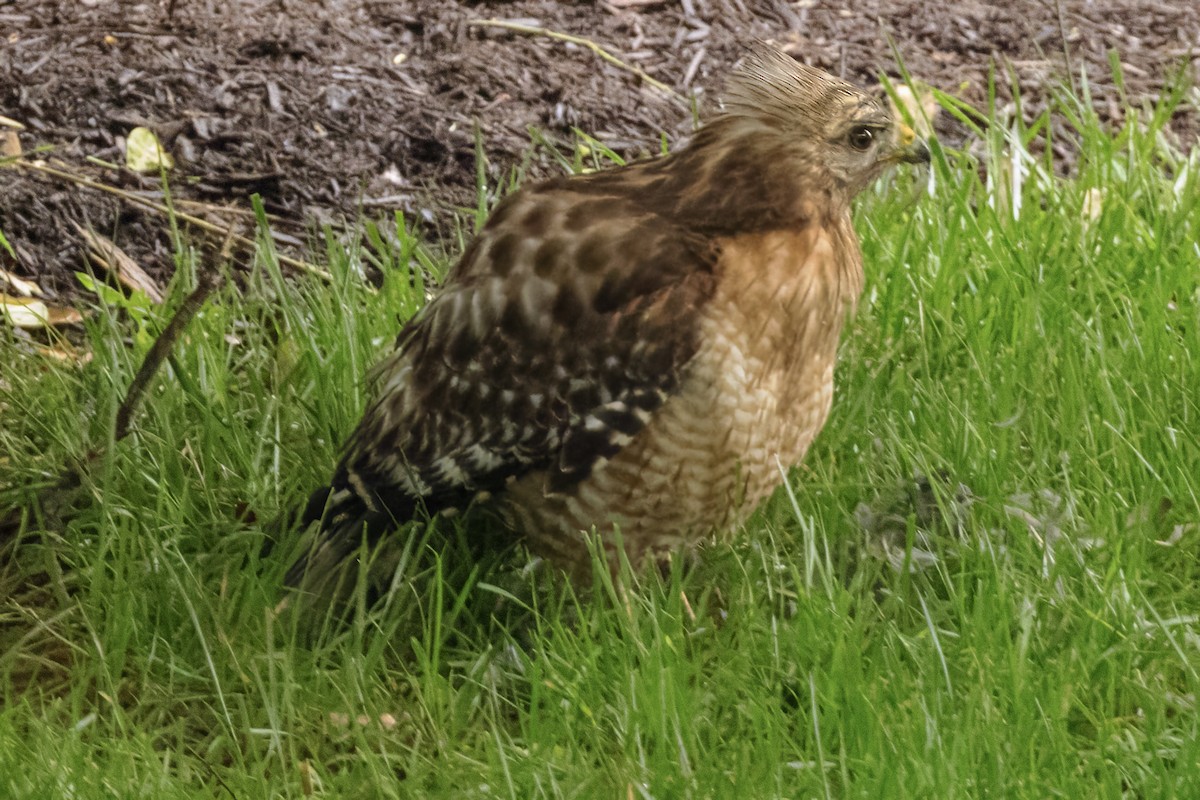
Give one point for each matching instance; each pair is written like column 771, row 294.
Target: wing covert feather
column 569, row 321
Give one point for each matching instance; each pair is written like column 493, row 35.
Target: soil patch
column 331, row 110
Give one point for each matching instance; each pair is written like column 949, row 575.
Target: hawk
column 633, row 351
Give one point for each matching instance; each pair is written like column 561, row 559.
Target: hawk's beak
column 911, row 148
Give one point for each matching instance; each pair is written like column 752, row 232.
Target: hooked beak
column 911, row 149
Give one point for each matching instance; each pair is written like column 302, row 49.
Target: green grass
column 1047, row 362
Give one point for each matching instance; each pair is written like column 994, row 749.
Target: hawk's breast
column 756, row 394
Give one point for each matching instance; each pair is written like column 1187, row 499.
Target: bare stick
column 58, row 494
column 159, row 351
column 203, row 224
column 533, row 30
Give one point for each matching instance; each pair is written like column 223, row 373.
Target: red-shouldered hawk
column 639, row 347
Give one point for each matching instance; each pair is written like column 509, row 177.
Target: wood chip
column 636, row 3
column 106, row 253
column 20, row 285
column 65, row 354
column 10, row 144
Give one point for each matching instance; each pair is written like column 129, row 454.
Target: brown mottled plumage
column 642, row 346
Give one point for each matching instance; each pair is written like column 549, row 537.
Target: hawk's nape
column 636, row 348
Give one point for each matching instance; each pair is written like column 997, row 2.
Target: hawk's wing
column 570, row 319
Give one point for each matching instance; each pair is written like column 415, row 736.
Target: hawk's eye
column 861, row 137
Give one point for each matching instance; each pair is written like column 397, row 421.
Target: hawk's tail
column 340, row 529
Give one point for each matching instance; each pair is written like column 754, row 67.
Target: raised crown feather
column 772, row 86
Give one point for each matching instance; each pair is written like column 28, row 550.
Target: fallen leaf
column 920, row 106
column 143, row 153
column 26, row 312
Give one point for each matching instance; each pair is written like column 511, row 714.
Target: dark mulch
column 333, row 109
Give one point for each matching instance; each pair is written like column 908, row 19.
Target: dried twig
column 203, row 224
column 534, row 30
column 58, row 495
column 161, row 348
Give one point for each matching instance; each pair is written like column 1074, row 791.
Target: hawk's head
column 822, row 128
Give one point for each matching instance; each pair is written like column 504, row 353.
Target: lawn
column 982, row 582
